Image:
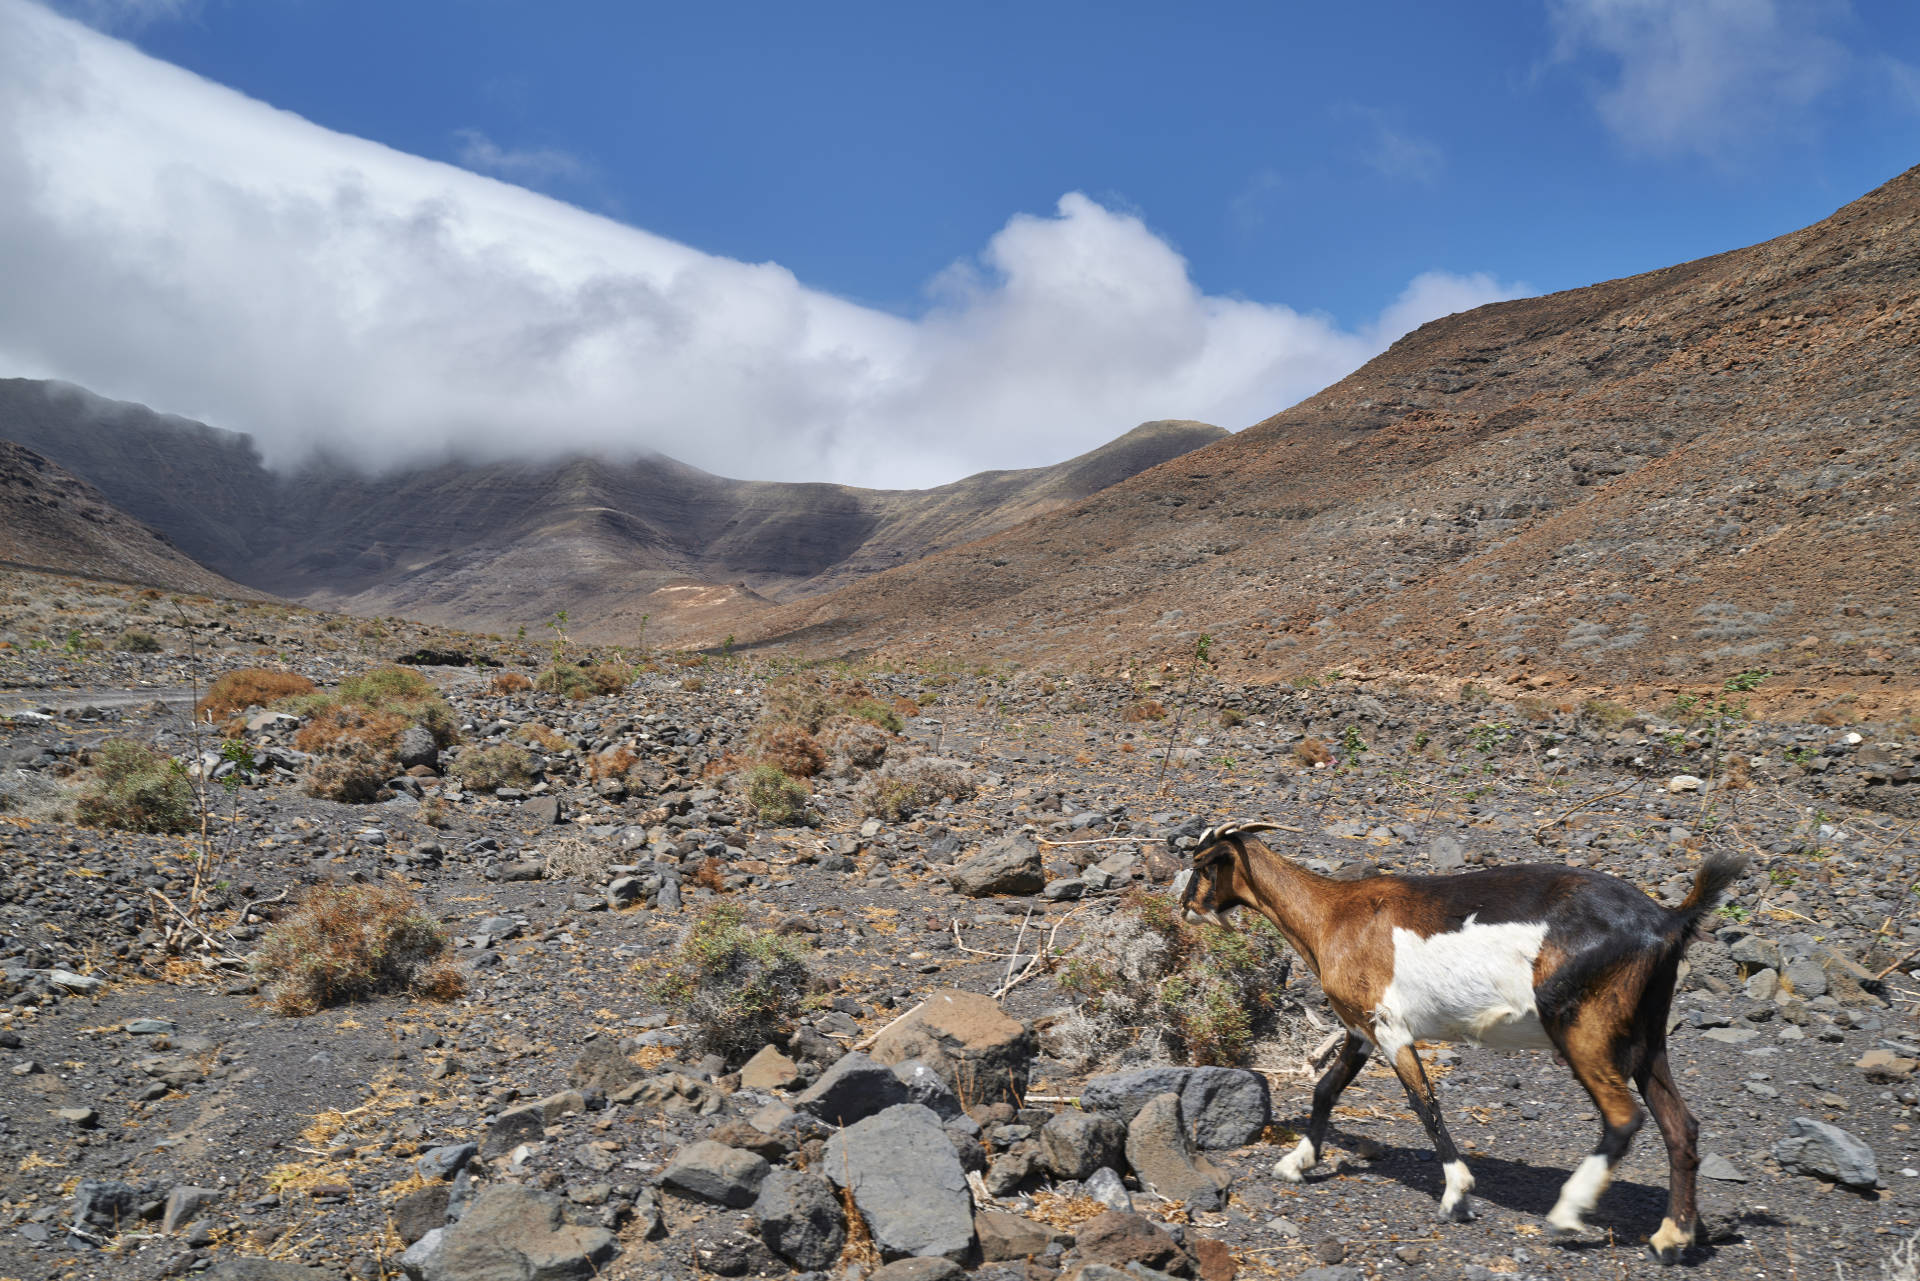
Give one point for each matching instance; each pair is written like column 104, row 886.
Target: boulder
column 928, row 1088
column 800, row 1219
column 1005, row 1237
column 105, row 1205
column 713, row 1171
column 1075, row 1144
column 254, row 1268
column 1010, row 865
column 769, row 1070
column 184, row 1204
column 1119, row 1238
column 1826, row 1152
column 851, row 1090
column 907, row 1182
column 1225, row 1107
column 1162, row 1155
column 985, row 1056
column 603, row 1066
column 416, row 747
column 511, row 1231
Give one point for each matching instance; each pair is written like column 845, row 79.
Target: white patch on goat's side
column 1297, row 1162
column 1470, row 984
column 1459, row 1183
column 1580, row 1194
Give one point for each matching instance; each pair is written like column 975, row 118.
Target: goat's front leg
column 1454, row 1203
column 1353, row 1056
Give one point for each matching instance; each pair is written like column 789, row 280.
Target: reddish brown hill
column 1653, row 481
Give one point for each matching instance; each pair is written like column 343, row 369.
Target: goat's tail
column 1709, row 886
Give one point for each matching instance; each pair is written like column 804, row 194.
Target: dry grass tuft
column 509, row 683
column 904, row 787
column 789, row 749
column 1064, row 1212
column 537, row 735
column 332, row 727
column 249, row 687
column 615, row 762
column 1147, row 709
column 570, row 858
column 347, row 942
column 488, row 769
column 136, row 788
column 1311, row 752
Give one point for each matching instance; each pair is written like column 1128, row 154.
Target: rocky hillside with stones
column 499, row 545
column 50, row 519
column 1644, row 484
column 704, row 968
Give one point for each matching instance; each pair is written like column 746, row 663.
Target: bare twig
column 872, row 1037
column 1897, row 964
column 1591, row 800
column 1007, row 980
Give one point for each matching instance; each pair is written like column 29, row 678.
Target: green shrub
column 875, row 712
column 741, row 987
column 777, row 800
column 566, row 680
column 1604, row 714
column 387, row 692
column 487, row 769
column 1151, row 983
column 136, row 789
column 134, row 641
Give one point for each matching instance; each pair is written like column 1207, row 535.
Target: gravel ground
column 168, row 1071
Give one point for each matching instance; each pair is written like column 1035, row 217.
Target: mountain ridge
column 1636, row 481
column 495, row 544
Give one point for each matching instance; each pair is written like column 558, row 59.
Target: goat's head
column 1213, row 883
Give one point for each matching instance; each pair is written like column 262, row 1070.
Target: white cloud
column 519, row 164
column 1702, row 77
column 170, row 241
column 128, row 15
column 1401, row 155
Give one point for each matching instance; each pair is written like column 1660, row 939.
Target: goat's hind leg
column 1353, row 1056
column 1682, row 1134
column 1594, row 1047
column 1455, row 1205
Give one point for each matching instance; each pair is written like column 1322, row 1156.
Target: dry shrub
column 135, row 641
column 1311, row 752
column 741, row 987
column 855, row 744
column 904, row 787
column 789, row 749
column 610, row 677
column 1737, row 773
column 615, row 762
column 1153, row 986
column 396, row 692
column 537, row 735
column 1605, row 714
column 1534, row 708
column 571, row 859
column 1231, row 716
column 346, row 942
column 693, row 684
column 331, row 728
column 801, row 700
column 249, row 687
column 350, row 771
column 906, row 707
column 1833, row 714
column 1147, row 709
column 710, row 876
column 509, row 683
column 136, row 788
column 488, row 769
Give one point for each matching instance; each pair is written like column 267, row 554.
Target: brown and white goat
column 1532, row 955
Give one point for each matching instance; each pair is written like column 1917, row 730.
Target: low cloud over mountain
column 174, row 242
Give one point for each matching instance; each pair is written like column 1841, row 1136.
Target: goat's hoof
column 1287, row 1172
column 1669, row 1243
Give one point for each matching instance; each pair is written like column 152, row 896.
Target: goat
column 1531, row 955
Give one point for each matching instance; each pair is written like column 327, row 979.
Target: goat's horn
column 1241, row 829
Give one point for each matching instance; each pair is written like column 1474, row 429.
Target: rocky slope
column 159, row 1119
column 50, row 519
column 499, row 544
column 1651, row 482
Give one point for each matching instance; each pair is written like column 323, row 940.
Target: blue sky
column 1316, row 162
